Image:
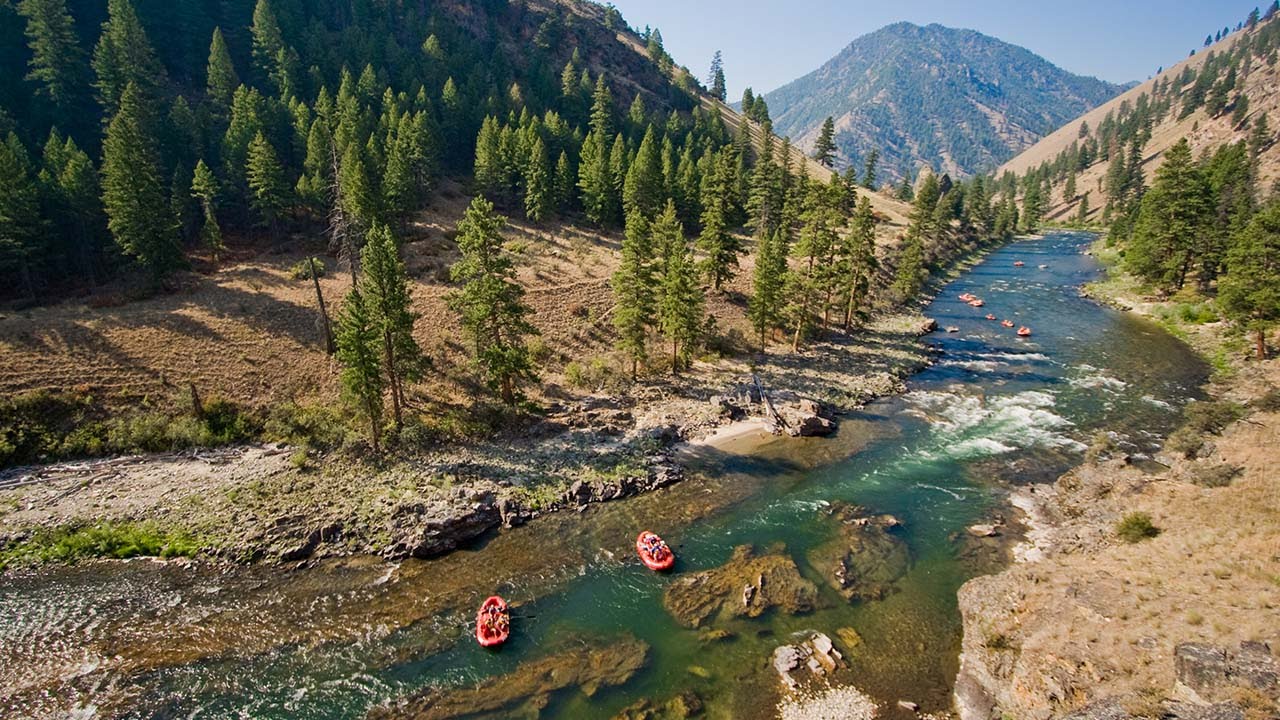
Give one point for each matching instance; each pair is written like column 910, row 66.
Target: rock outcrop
column 528, row 688
column 865, row 557
column 749, row 585
column 800, row 663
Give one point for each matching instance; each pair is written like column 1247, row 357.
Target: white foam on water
column 952, row 493
column 978, row 366
column 1016, row 357
column 1098, row 381
column 970, row 426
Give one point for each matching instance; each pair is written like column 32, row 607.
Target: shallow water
column 156, row 641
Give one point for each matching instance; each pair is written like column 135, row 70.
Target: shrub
column 1201, row 419
column 594, row 375
column 317, row 426
column 116, row 540
column 302, row 269
column 34, row 426
column 1136, row 527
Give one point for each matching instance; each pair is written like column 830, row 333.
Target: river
column 152, row 640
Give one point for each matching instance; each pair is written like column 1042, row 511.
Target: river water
column 151, row 640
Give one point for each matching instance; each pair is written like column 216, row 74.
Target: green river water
column 150, row 640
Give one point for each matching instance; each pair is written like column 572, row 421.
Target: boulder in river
column 685, row 705
column 813, row 657
column 529, row 687
column 749, row 585
column 865, row 557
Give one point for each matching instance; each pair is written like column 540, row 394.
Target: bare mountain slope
column 1258, row 80
column 955, row 100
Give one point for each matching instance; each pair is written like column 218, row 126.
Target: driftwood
column 768, row 404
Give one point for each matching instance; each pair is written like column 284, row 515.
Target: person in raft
column 657, row 548
column 495, row 620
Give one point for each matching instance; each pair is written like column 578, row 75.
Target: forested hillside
column 215, row 240
column 954, row 100
column 1183, row 172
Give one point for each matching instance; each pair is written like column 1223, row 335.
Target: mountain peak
column 952, row 99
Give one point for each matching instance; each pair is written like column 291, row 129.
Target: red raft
column 493, row 623
column 1024, row 332
column 653, row 552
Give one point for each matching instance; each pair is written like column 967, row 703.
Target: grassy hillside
column 953, row 100
column 1160, row 104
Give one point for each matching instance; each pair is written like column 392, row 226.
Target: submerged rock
column 530, row 686
column 747, row 586
column 866, row 556
column 685, row 705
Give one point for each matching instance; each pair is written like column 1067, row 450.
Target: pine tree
column 81, row 197
column 204, row 188
column 633, row 290
column 1171, row 217
column 358, row 199
column 267, row 43
column 814, row 249
column 1082, row 211
column 317, row 167
column 595, row 179
column 860, row 260
column 768, row 281
column 716, row 79
column 491, row 303
column 222, row 79
column 58, row 63
column 124, row 56
column 270, row 190
column 133, row 193
column 1250, row 291
column 19, row 212
column 909, row 276
column 869, row 170
column 566, row 180
column 359, row 342
column 824, row 149
column 719, row 246
column 540, row 195
column 389, row 302
column 680, row 306
column 1069, row 189
column 643, row 187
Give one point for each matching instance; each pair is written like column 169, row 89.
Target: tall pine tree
column 133, row 191
column 490, row 303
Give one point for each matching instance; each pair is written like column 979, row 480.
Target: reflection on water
column 151, row 640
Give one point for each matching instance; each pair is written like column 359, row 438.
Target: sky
column 768, row 44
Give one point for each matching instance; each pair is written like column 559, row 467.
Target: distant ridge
column 955, row 100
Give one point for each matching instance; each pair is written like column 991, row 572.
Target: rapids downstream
column 152, row 640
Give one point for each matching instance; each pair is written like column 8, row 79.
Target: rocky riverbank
column 1144, row 589
column 267, row 503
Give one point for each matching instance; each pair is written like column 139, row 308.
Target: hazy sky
column 769, row 43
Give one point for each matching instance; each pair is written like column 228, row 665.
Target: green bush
column 302, row 269
column 46, row 427
column 593, row 375
column 1136, row 527
column 35, row 426
column 319, row 426
column 119, row 541
column 1201, row 419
